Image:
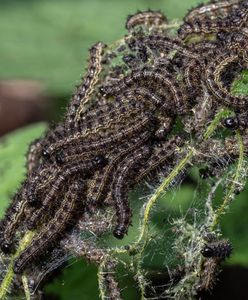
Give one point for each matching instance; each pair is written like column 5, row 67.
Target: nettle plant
column 154, row 110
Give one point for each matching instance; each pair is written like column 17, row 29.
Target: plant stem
column 5, row 285
column 229, row 196
column 25, row 285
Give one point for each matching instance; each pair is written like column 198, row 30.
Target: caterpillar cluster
column 121, row 124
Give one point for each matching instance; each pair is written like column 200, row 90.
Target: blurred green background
column 48, row 41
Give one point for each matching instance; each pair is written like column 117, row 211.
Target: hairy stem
column 231, row 192
column 5, row 285
column 25, row 286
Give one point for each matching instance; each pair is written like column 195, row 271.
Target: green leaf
column 240, row 86
column 235, row 228
column 13, row 148
column 78, row 281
